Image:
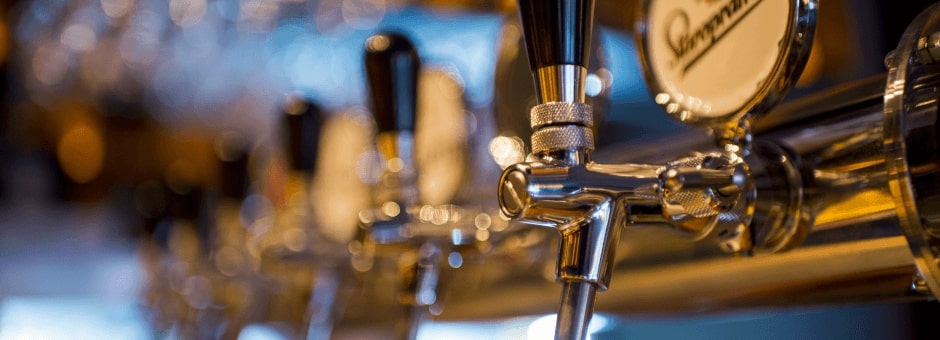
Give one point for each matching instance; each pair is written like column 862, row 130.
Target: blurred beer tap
column 206, row 253
column 708, row 195
column 421, row 237
column 305, row 244
column 180, row 289
column 238, row 285
column 392, row 66
column 204, row 279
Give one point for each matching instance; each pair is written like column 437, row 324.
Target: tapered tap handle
column 233, row 151
column 303, row 121
column 392, row 69
column 557, row 32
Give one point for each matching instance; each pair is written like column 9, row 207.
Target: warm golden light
column 868, row 204
column 81, row 153
column 376, row 43
column 339, row 191
column 482, row 221
column 507, row 151
column 391, row 209
column 5, row 39
column 441, row 132
column 181, row 175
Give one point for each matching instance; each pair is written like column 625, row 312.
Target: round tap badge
column 709, row 62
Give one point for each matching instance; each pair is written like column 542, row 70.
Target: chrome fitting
column 563, row 137
column 560, row 113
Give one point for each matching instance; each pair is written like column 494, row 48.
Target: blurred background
column 122, row 119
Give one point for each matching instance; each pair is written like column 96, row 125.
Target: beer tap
column 424, row 239
column 392, row 66
column 303, row 121
column 707, row 194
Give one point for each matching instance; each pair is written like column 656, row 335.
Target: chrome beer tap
column 709, row 195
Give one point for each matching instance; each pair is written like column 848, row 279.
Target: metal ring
column 562, row 137
column 555, row 113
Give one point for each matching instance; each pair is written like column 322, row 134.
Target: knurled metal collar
column 559, row 113
column 562, row 137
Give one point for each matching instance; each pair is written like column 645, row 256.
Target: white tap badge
column 713, row 59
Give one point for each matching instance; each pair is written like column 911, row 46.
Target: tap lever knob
column 557, row 32
column 726, row 180
column 724, row 177
column 303, row 122
column 392, row 69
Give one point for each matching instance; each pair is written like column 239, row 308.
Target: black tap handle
column 557, row 31
column 233, row 151
column 303, row 122
column 392, row 68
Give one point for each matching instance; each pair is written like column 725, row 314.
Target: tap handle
column 392, row 68
column 303, row 121
column 557, row 32
column 232, row 153
column 558, row 38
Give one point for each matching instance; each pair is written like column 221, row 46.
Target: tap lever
column 392, row 65
column 558, row 38
column 303, row 121
column 725, row 181
column 392, row 68
column 557, row 32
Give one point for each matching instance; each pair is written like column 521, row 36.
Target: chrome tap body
column 588, row 202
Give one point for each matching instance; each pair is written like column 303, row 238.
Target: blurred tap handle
column 233, row 153
column 392, row 69
column 557, row 32
column 303, row 122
